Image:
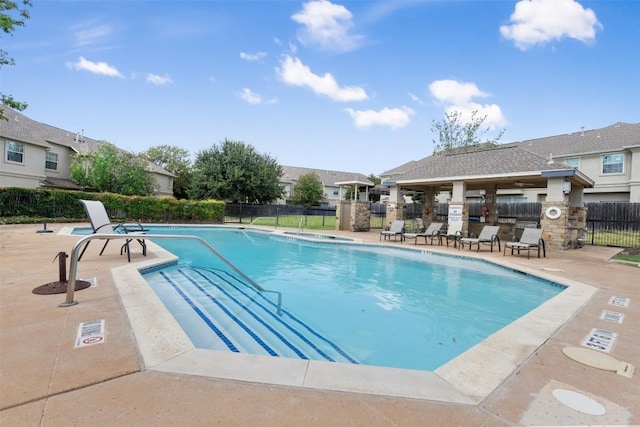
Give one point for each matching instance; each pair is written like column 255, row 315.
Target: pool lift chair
column 531, row 238
column 101, row 224
column 396, row 229
column 432, row 232
column 488, row 235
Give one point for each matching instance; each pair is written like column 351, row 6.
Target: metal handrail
column 254, row 220
column 73, row 267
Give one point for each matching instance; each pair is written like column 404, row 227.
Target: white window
column 15, row 152
column 51, row 161
column 574, row 162
column 613, row 163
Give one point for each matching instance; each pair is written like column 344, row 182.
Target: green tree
column 11, row 16
column 377, row 181
column 308, row 191
column 456, row 135
column 175, row 160
column 112, row 170
column 234, row 171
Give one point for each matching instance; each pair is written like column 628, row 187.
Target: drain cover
column 59, row 287
column 579, row 402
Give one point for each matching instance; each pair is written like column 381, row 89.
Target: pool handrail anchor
column 73, row 267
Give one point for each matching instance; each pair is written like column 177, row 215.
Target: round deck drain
column 578, row 401
column 59, row 287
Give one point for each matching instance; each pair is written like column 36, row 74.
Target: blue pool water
column 341, row 302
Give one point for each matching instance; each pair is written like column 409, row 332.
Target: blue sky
column 348, row 86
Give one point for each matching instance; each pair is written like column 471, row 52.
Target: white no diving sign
column 90, row 333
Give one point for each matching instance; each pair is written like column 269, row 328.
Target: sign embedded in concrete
column 90, row 333
column 600, row 339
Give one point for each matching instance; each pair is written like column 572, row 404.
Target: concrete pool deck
column 137, row 377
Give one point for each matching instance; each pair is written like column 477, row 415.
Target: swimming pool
column 358, row 304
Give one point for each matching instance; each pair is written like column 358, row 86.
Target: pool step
column 238, row 317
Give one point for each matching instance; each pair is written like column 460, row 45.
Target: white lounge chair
column 488, row 235
column 432, row 232
column 101, row 224
column 454, row 232
column 531, row 238
column 396, row 229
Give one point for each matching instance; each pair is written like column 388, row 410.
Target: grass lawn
column 306, row 222
column 626, row 257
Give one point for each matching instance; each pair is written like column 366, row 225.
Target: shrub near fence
column 34, row 205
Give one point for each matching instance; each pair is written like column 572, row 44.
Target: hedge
column 24, row 205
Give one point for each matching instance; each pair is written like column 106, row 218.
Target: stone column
column 360, row 216
column 555, row 215
column 490, row 203
column 429, row 208
column 344, row 209
column 577, row 228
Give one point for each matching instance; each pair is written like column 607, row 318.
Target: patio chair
column 417, row 226
column 531, row 238
column 101, row 224
column 454, row 232
column 432, row 232
column 396, row 229
column 488, row 235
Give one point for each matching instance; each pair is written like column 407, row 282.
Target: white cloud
column 250, row 96
column 293, row 72
column 539, row 21
column 454, row 92
column 158, row 80
column 95, row 67
column 395, row 118
column 416, row 98
column 459, row 96
column 252, row 57
column 89, row 33
column 327, row 26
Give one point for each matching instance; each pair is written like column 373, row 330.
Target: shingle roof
column 520, row 157
column 21, row 128
column 327, row 177
column 611, row 138
column 494, row 161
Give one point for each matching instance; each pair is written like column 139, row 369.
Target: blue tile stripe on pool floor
column 218, row 273
column 233, row 317
column 200, row 313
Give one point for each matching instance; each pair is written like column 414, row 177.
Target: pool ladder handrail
column 73, row 267
column 254, row 220
column 300, row 226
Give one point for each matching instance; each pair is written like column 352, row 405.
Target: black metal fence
column 378, row 215
column 613, row 224
column 281, row 214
